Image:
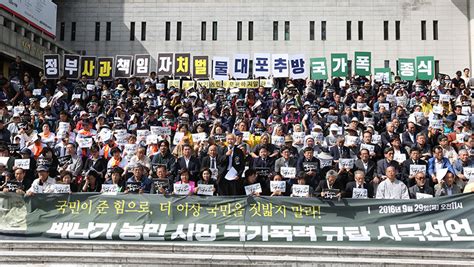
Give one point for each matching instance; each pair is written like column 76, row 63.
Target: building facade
column 20, row 38
column 389, row 29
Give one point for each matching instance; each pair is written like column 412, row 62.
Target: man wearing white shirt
column 44, row 184
column 391, row 188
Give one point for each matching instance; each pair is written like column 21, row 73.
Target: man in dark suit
column 420, row 187
column 339, row 150
column 233, row 160
column 189, row 162
column 409, row 136
column 331, row 184
column 264, row 165
column 366, row 165
column 414, row 159
column 359, row 182
column 388, row 134
column 213, row 161
column 383, row 164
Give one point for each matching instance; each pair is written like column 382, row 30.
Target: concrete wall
column 452, row 49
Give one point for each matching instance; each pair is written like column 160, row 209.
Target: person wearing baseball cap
column 43, row 184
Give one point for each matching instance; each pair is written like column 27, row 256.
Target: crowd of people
column 342, row 138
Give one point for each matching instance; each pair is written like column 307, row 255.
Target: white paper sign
column 142, row 134
column 351, row 140
column 462, row 118
column 400, row 157
column 288, row 172
column 298, row 137
column 385, row 105
column 37, row 92
column 253, row 188
column 370, row 148
column 414, row 169
column 61, row 188
column 460, row 137
column 4, row 160
column 22, row 164
column 177, row 137
column 278, row 140
column 246, row 136
column 317, row 136
column 231, row 174
column 444, row 98
column 159, row 130
column 37, row 189
column 152, row 139
column 436, row 124
column 181, row 189
column 205, row 189
column 278, row 186
column 376, row 139
column 300, row 190
column 110, row 188
column 422, row 195
column 90, row 87
column 466, row 110
column 130, row 149
column 85, row 142
column 359, row 193
column 441, row 173
column 346, row 163
column 437, row 110
column 469, row 174
column 199, row 137
column 325, row 163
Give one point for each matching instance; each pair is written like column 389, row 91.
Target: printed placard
column 205, row 189
column 160, row 183
column 129, row 149
column 400, row 157
column 66, row 160
column 385, row 105
column 331, row 193
column 317, row 136
column 110, row 188
column 438, row 110
column 414, row 169
column 288, row 172
column 85, row 142
column 466, row 110
column 133, row 187
column 252, row 189
column 298, row 137
column 152, row 139
column 346, row 163
column 300, row 190
column 199, row 137
column 61, row 188
column 469, row 174
column 13, row 186
column 245, row 136
column 325, row 163
column 359, row 193
column 278, row 186
column 310, row 166
column 370, row 148
column 181, row 189
column 159, row 130
column 436, row 124
column 22, row 164
column 278, row 140
column 423, row 195
column 376, row 139
column 37, row 189
column 37, row 92
column 351, row 140
column 177, row 137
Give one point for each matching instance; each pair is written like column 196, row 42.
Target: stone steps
column 144, row 253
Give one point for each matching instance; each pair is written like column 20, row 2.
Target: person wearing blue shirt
column 438, row 162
